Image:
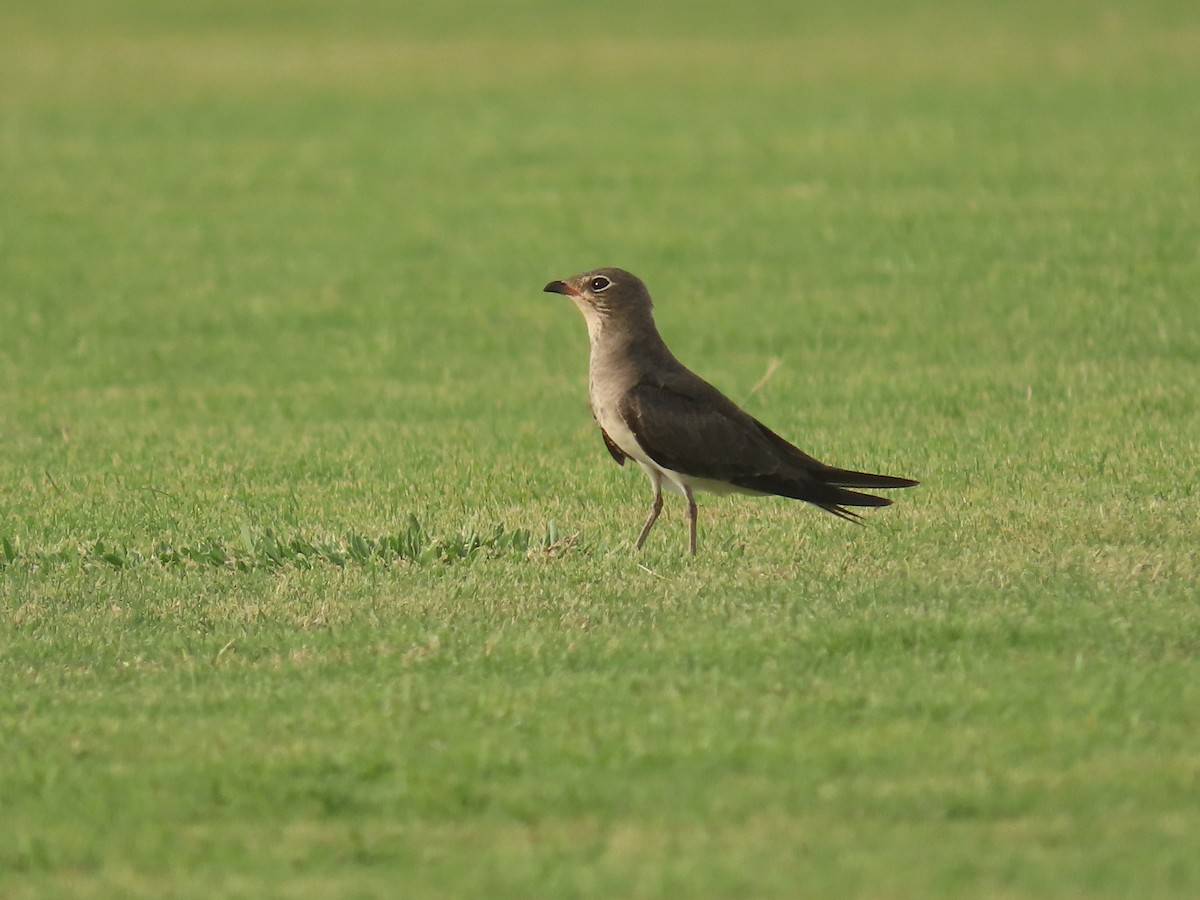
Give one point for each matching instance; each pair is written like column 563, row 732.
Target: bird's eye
column 599, row 283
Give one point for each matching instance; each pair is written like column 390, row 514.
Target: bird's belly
column 677, row 480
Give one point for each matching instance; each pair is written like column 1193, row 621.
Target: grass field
column 316, row 579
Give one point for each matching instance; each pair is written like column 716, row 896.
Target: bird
column 684, row 433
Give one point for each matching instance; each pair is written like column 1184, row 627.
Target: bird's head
column 606, row 297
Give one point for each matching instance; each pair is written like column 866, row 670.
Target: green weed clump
column 269, row 550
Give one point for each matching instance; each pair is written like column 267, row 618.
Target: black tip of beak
column 555, row 287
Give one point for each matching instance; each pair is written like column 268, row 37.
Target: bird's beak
column 558, row 287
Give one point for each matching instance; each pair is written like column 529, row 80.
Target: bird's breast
column 606, row 410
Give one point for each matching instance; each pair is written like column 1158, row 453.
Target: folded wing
column 692, row 428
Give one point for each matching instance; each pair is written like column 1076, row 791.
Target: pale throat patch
column 593, row 320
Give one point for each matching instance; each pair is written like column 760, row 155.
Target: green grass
column 316, row 579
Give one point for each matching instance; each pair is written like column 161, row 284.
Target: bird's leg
column 655, row 509
column 687, row 492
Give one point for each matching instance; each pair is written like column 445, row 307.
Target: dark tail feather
column 827, row 496
column 836, row 482
column 842, row 513
column 830, row 495
column 833, row 494
column 849, row 478
column 834, row 499
column 843, row 498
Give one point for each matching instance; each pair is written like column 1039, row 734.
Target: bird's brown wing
column 697, row 433
column 696, row 430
